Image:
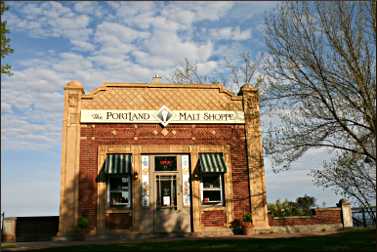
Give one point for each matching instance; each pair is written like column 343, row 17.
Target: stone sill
column 114, row 210
column 330, row 208
column 212, row 208
column 292, row 217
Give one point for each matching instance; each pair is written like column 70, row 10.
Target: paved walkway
column 24, row 246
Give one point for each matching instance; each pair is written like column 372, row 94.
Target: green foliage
column 287, row 208
column 247, row 217
column 305, row 202
column 82, row 223
column 5, row 46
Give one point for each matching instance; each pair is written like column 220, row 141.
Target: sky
column 97, row 42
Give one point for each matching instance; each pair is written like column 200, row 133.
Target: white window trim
column 221, row 202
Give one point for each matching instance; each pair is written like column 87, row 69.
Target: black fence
column 36, row 228
column 2, row 225
column 363, row 217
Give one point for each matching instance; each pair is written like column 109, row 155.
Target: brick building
column 154, row 158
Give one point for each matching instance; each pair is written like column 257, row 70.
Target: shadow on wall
column 168, row 222
column 241, row 200
column 86, row 206
column 162, row 221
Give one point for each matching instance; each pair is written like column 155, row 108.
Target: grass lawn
column 355, row 240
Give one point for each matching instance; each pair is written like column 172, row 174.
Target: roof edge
column 107, row 85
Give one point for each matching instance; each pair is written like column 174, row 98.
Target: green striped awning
column 212, row 162
column 118, row 164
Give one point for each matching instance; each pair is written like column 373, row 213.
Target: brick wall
column 103, row 134
column 321, row 216
column 213, row 218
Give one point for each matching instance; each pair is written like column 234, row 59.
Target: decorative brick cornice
column 152, row 96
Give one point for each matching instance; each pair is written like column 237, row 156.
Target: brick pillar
column 257, row 186
column 69, row 173
column 346, row 213
column 9, row 229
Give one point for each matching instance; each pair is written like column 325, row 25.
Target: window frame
column 216, row 189
column 109, row 191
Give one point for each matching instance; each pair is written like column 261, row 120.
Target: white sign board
column 163, row 116
column 166, row 201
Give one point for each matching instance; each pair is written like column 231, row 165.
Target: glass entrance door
column 169, row 213
column 166, row 191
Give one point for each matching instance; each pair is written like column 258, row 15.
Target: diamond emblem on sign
column 164, row 115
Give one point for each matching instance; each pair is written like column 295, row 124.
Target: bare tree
column 187, row 74
column 240, row 72
column 322, row 83
column 352, row 177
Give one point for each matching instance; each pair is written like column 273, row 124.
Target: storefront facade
column 161, row 158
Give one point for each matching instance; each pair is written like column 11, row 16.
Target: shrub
column 237, row 227
column 83, row 223
column 247, row 217
column 288, row 208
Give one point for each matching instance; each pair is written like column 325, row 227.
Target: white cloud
column 5, row 107
column 248, row 9
column 20, row 133
column 230, row 33
column 83, row 45
column 52, row 19
column 189, row 12
column 107, row 31
column 170, row 46
column 207, row 67
column 152, row 61
column 129, row 8
column 89, row 8
column 165, row 24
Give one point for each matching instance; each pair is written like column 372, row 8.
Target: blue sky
column 95, row 42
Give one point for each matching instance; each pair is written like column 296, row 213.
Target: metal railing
column 363, row 217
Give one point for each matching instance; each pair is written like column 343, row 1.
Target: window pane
column 119, row 183
column 119, row 191
column 211, row 181
column 119, row 198
column 211, row 196
column 166, row 191
column 168, row 163
column 115, row 184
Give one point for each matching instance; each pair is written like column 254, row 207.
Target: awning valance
column 118, row 164
column 212, row 162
